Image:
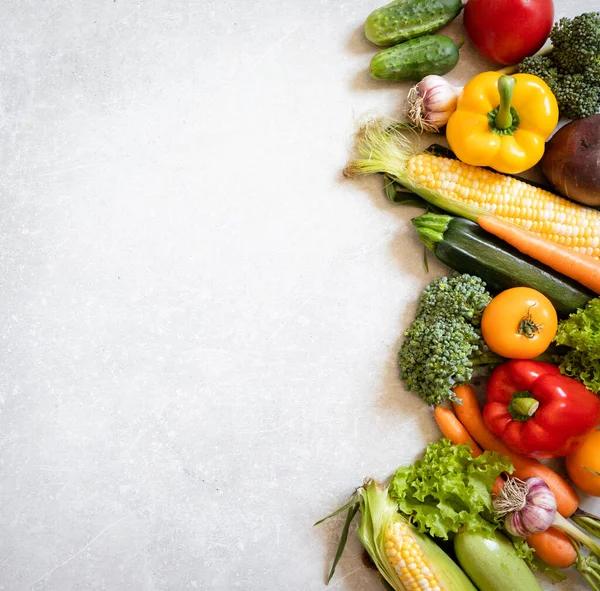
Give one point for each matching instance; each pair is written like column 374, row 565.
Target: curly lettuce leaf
column 581, row 330
column 449, row 489
column 524, row 551
column 583, row 367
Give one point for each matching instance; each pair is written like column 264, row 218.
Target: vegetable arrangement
column 521, row 309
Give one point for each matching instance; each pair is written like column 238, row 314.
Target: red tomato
column 506, row 31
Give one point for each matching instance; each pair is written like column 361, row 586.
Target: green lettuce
column 583, row 367
column 524, row 551
column 581, row 332
column 449, row 489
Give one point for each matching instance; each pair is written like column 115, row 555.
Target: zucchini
column 466, row 248
column 492, row 563
column 415, row 59
column 402, row 20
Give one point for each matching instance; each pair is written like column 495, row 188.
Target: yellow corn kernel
column 534, row 209
column 405, row 555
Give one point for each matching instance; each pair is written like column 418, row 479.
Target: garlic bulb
column 529, row 506
column 430, row 103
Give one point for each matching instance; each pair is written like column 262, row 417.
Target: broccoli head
column 542, row 67
column 576, row 42
column 571, row 67
column 443, row 344
column 577, row 96
column 462, row 296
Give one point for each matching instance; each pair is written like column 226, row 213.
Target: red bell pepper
column 537, row 411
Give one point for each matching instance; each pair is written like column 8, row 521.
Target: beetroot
column 571, row 161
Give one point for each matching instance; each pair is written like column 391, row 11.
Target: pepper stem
column 526, row 406
column 506, row 86
column 522, row 406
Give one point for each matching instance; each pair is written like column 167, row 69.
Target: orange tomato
column 519, row 323
column 581, row 463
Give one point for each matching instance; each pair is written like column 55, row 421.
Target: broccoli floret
column 541, row 66
column 572, row 66
column 463, row 296
column 576, row 42
column 577, row 97
column 443, row 344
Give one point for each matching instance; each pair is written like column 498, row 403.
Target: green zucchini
column 492, row 563
column 402, row 20
column 466, row 248
column 415, row 59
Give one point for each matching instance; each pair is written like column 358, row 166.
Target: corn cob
column 407, row 558
column 470, row 191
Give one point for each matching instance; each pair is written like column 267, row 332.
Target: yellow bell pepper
column 503, row 121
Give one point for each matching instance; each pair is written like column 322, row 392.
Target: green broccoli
column 443, row 344
column 571, row 65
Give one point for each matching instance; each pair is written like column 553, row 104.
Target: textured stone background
column 199, row 316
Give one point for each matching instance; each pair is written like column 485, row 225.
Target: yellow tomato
column 519, row 323
column 581, row 463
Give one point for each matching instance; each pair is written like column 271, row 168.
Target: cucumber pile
column 406, row 26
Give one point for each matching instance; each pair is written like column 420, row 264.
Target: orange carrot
column 553, row 547
column 453, row 429
column 498, row 485
column 581, row 267
column 469, row 414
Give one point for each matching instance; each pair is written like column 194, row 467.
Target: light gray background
column 199, row 316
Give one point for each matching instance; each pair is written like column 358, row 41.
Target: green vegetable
column 443, row 344
column 415, row 59
column 582, row 367
column 402, row 20
column 572, row 66
column 492, row 562
column 467, row 248
column 449, row 489
column 581, row 332
column 381, row 525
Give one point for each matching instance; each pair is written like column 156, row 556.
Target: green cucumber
column 492, row 563
column 466, row 248
column 415, row 59
column 402, row 20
